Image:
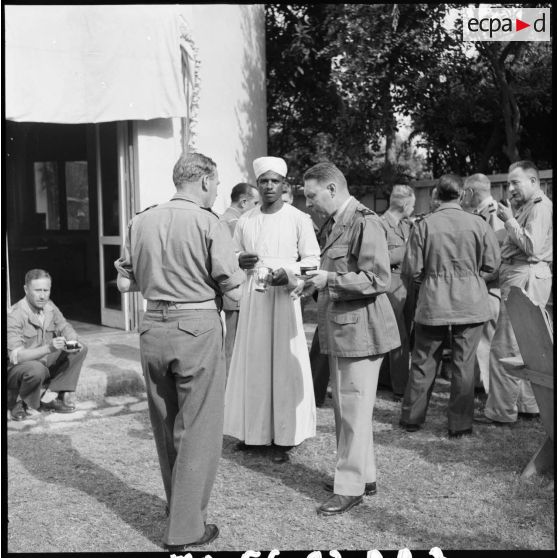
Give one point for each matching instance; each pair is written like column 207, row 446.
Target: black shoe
column 482, row 419
column 409, row 427
column 460, row 433
column 241, row 446
column 58, row 406
column 280, row 457
column 211, row 533
column 369, row 488
column 397, row 397
column 339, row 504
column 528, row 416
column 18, row 411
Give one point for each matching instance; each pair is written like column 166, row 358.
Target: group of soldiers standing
column 371, row 277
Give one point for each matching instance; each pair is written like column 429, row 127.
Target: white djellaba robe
column 269, row 395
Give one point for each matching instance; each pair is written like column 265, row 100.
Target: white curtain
column 86, row 64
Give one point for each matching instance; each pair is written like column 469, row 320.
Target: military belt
column 170, row 305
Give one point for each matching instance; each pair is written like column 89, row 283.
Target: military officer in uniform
column 244, row 197
column 526, row 263
column 356, row 326
column 477, row 199
column 181, row 257
column 397, row 226
column 448, row 251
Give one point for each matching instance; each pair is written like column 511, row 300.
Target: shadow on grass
column 379, row 513
column 62, row 464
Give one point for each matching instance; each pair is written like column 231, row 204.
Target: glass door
column 115, row 205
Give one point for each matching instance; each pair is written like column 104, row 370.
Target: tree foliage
column 341, row 76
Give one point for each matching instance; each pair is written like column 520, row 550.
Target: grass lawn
column 93, row 485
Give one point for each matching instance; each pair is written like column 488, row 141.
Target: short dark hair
column 325, row 172
column 449, row 187
column 191, row 167
column 241, row 189
column 33, row 274
column 525, row 165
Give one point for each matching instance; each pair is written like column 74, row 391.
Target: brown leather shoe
column 339, row 504
column 211, row 533
column 57, row 406
column 369, row 488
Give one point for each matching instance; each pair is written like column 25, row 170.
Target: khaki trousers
column 61, row 373
column 509, row 395
column 354, row 383
column 399, row 357
column 426, row 356
column 183, row 361
column 231, row 323
column 482, row 361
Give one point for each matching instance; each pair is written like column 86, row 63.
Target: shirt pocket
column 196, row 327
column 337, row 256
column 344, row 318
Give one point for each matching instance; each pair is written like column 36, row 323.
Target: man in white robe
column 269, row 398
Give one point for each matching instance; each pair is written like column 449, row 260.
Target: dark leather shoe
column 460, row 433
column 482, row 419
column 57, row 406
column 339, row 504
column 369, row 488
column 528, row 416
column 18, row 411
column 409, row 427
column 211, row 533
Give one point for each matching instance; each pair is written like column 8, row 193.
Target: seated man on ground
column 43, row 350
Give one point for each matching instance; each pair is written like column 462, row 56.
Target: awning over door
column 85, row 64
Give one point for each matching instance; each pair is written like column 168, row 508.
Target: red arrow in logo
column 519, row 25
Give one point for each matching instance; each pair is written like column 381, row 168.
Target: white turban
column 275, row 164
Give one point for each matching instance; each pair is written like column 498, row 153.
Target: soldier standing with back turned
column 181, row 258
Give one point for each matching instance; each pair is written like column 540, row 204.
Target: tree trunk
column 509, row 106
column 389, row 172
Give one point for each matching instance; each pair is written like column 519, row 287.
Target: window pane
column 77, row 195
column 47, row 194
column 113, row 298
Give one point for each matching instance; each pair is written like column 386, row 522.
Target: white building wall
column 232, row 126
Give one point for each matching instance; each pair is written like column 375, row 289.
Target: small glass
column 262, row 278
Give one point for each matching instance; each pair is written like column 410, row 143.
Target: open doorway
column 51, row 196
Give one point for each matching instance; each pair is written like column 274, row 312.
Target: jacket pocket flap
column 195, row 327
column 337, row 252
column 29, row 331
column 345, row 318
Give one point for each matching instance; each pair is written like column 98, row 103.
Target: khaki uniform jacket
column 446, row 252
column 180, row 252
column 25, row 331
column 397, row 235
column 355, row 317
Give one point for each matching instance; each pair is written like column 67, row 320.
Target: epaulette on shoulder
column 147, row 208
column 538, row 199
column 366, row 210
column 492, row 210
column 209, row 210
